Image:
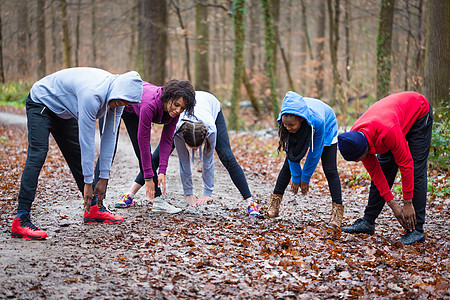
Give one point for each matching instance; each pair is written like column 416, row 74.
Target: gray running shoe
column 161, row 206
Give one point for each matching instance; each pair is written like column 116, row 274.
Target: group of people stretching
column 394, row 133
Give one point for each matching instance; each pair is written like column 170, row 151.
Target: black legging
column 329, row 167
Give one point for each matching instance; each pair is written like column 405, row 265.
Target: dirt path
column 212, row 252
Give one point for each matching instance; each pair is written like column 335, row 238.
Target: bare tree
column 2, row 73
column 269, row 42
column 94, row 32
column 384, row 47
column 154, row 40
column 65, row 29
column 42, row 62
column 186, row 40
column 320, row 49
column 437, row 56
column 77, row 34
column 201, row 47
column 333, row 17
column 417, row 77
column 239, row 38
column 23, row 36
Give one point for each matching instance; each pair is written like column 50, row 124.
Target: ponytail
column 194, row 134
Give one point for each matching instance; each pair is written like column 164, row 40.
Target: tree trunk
column 384, row 47
column 417, row 78
column 54, row 38
column 254, row 40
column 42, row 63
column 77, row 34
column 239, row 39
column 320, row 49
column 269, row 42
column 66, row 40
column 305, row 28
column 201, row 47
column 94, row 33
column 437, row 55
column 408, row 41
column 286, row 62
column 23, row 37
column 131, row 53
column 348, row 67
column 154, row 40
column 2, row 73
column 186, row 40
column 334, row 46
column 251, row 94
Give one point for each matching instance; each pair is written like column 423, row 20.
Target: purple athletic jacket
column 150, row 110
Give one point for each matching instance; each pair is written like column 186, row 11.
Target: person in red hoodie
column 397, row 129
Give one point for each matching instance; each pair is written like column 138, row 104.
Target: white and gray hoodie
column 83, row 93
column 206, row 109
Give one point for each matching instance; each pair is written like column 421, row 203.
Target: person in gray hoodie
column 67, row 104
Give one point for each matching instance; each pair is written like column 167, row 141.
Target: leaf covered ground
column 216, row 251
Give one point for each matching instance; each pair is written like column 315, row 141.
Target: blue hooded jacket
column 84, row 93
column 323, row 123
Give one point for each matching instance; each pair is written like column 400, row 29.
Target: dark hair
column 283, row 133
column 174, row 89
column 194, row 134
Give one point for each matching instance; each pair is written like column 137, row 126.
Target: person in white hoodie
column 207, row 129
column 67, row 104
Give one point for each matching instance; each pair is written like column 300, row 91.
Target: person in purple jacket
column 160, row 105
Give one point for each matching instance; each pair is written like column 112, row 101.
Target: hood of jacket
column 294, row 104
column 127, row 86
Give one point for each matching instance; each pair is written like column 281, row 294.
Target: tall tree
column 2, row 74
column 239, row 39
column 254, row 40
column 417, row 78
column 437, row 55
column 154, row 40
column 131, row 53
column 320, row 49
column 333, row 17
column 23, row 37
column 348, row 10
column 65, row 29
column 186, row 40
column 269, row 42
column 94, row 33
column 201, row 47
column 42, row 62
column 386, row 21
column 77, row 34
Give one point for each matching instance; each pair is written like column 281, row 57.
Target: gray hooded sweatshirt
column 83, row 94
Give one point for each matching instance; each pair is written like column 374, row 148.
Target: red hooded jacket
column 385, row 125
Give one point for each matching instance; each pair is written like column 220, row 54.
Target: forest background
column 348, row 53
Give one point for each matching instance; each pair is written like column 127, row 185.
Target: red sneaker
column 24, row 229
column 101, row 215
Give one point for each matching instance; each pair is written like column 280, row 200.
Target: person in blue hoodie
column 67, row 104
column 307, row 125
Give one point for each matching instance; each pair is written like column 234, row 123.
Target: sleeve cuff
column 296, row 179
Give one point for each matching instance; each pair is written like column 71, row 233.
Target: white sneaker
column 161, row 206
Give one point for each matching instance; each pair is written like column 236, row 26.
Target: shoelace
column 27, row 223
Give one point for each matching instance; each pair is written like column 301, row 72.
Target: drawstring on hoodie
column 312, row 139
column 104, row 120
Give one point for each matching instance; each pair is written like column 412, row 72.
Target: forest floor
column 216, row 251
